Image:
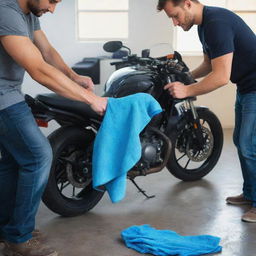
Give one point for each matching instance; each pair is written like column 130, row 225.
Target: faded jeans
column 245, row 141
column 25, row 161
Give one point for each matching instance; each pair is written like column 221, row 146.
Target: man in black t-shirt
column 229, row 47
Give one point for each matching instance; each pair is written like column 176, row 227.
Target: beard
column 33, row 6
column 189, row 22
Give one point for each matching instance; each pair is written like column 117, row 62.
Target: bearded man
column 25, row 154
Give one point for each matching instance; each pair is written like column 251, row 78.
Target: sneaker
column 238, row 200
column 250, row 216
column 32, row 247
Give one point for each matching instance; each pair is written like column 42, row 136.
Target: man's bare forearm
column 219, row 76
column 210, row 83
column 201, row 71
column 204, row 69
column 53, row 58
column 56, row 81
column 28, row 56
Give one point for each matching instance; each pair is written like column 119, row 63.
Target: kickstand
column 140, row 190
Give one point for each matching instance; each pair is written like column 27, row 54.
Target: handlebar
column 173, row 68
column 117, row 62
column 133, row 60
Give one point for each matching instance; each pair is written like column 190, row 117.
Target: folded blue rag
column 117, row 145
column 146, row 239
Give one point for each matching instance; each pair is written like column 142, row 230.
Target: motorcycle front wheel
column 189, row 163
column 69, row 191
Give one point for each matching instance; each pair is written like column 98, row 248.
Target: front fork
column 187, row 109
column 187, row 106
column 196, row 123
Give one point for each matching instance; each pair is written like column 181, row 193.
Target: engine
column 155, row 150
column 151, row 152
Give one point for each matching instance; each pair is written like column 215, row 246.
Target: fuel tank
column 131, row 80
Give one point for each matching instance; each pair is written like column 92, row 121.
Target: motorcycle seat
column 61, row 103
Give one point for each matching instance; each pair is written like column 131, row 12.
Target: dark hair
column 161, row 3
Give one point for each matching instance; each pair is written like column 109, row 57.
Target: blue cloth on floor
column 117, row 145
column 146, row 239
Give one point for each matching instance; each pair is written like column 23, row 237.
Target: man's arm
column 27, row 55
column 52, row 57
column 219, row 76
column 204, row 69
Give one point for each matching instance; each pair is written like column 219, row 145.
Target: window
column 188, row 42
column 102, row 19
column 246, row 11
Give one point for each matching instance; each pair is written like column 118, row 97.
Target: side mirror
column 145, row 53
column 112, row 46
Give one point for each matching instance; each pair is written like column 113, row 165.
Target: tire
column 187, row 169
column 71, row 171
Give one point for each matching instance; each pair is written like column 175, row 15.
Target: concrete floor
column 188, row 208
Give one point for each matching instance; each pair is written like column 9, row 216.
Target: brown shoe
column 238, row 200
column 1, row 242
column 32, row 247
column 35, row 234
column 250, row 216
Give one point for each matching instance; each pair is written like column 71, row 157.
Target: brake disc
column 78, row 182
column 201, row 155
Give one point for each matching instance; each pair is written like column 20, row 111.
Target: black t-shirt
column 223, row 32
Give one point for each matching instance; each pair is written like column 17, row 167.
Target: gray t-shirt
column 13, row 22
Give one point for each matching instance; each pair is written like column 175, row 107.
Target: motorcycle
column 185, row 138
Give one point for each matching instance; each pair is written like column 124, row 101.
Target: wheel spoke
column 187, row 164
column 197, row 153
column 61, row 187
column 190, row 157
column 64, row 186
column 181, row 157
column 74, row 190
column 68, row 166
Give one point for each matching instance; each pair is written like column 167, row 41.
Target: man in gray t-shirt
column 25, row 154
column 25, row 47
column 13, row 22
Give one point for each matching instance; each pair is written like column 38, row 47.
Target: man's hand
column 84, row 81
column 99, row 105
column 177, row 90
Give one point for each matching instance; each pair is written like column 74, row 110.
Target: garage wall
column 147, row 27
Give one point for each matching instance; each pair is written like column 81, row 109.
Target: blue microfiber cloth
column 146, row 239
column 117, row 145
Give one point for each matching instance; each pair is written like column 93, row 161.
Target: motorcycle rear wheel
column 182, row 165
column 69, row 190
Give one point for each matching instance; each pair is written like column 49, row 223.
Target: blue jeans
column 245, row 141
column 25, row 161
